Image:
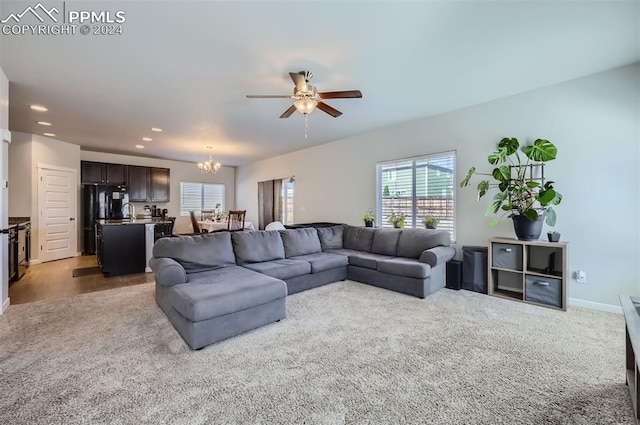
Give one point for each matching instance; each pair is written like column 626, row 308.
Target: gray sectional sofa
column 215, row 286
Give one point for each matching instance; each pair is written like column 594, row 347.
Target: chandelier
column 209, row 166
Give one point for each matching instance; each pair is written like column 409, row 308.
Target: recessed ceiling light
column 49, row 134
column 147, row 139
column 140, row 146
column 44, row 123
column 38, row 108
column 156, row 129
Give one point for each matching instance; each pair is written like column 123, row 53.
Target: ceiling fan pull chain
column 306, row 125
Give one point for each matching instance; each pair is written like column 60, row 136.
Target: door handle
column 72, row 218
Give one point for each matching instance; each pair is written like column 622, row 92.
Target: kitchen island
column 125, row 246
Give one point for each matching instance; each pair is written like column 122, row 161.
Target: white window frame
column 184, row 212
column 415, row 160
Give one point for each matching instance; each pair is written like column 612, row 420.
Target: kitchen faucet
column 132, row 210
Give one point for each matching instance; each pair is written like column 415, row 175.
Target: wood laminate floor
column 55, row 280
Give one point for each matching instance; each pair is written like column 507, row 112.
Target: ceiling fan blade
column 288, row 112
column 300, row 82
column 269, row 96
column 328, row 109
column 348, row 94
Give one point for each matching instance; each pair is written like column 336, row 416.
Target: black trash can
column 474, row 268
column 454, row 275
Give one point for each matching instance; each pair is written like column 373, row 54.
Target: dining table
column 211, row 226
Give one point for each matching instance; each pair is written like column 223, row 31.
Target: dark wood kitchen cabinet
column 138, row 184
column 93, row 172
column 159, row 184
column 103, row 173
column 116, row 173
column 147, row 184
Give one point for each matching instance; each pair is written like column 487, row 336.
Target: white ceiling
column 187, row 66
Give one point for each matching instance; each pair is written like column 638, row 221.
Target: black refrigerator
column 100, row 202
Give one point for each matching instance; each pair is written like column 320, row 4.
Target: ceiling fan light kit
column 306, row 97
column 305, row 106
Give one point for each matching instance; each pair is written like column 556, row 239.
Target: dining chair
column 208, row 215
column 235, row 220
column 163, row 230
column 195, row 225
column 276, row 225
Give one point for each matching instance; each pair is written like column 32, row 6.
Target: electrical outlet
column 581, row 276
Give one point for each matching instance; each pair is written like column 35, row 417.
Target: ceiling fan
column 307, row 97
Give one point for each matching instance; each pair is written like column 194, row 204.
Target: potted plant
column 522, row 192
column 430, row 222
column 553, row 236
column 369, row 219
column 397, row 219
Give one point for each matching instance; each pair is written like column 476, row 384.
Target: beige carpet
column 348, row 353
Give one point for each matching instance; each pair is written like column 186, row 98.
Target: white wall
column 592, row 120
column 4, row 195
column 180, row 172
column 25, row 154
column 20, row 158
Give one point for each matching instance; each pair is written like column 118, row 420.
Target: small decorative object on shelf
column 397, row 219
column 369, row 219
column 534, row 272
column 523, row 194
column 430, row 222
column 553, row 236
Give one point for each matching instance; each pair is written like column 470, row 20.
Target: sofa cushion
column 197, row 253
column 281, row 269
column 331, row 237
column 358, row 238
column 256, row 247
column 367, row 260
column 406, row 267
column 202, row 301
column 385, row 241
column 301, row 241
column 323, row 261
column 413, row 241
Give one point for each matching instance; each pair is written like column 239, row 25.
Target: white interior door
column 57, row 234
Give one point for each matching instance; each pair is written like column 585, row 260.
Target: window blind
column 198, row 196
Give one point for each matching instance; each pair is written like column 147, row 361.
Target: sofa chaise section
column 206, row 296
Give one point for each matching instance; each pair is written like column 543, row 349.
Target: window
column 287, row 201
column 200, row 196
column 421, row 186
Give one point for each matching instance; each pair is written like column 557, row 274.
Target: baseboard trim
column 36, row 261
column 5, row 306
column 574, row 302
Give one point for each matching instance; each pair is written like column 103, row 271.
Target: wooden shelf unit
column 533, row 272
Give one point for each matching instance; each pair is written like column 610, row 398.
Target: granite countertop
column 117, row 222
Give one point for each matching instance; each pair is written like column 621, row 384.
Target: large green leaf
column 541, row 151
column 550, row 217
column 509, row 145
column 496, row 157
column 531, row 214
column 557, row 199
column 483, row 186
column 532, row 184
column 470, row 174
column 502, row 174
column 545, row 197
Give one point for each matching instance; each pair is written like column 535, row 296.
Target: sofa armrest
column 437, row 255
column 168, row 271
